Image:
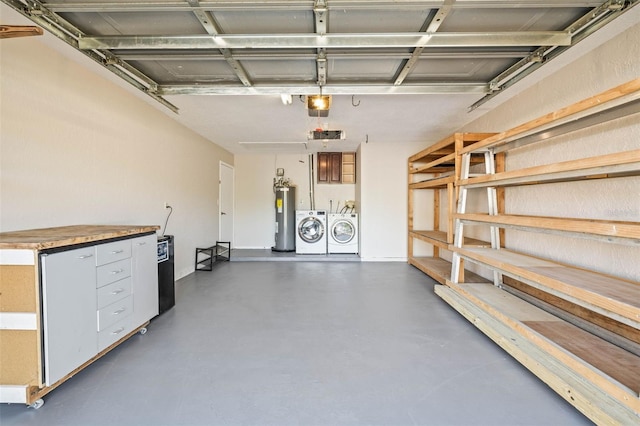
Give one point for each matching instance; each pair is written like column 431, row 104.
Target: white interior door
column 225, row 205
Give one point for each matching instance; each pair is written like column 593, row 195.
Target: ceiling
column 398, row 71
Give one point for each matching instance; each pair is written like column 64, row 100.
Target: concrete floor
column 304, row 343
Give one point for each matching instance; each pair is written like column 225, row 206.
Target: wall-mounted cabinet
column 348, row 167
column 336, row 167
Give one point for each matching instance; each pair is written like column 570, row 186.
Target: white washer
column 311, row 232
column 343, row 233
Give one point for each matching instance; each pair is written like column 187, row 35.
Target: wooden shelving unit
column 436, row 169
column 576, row 329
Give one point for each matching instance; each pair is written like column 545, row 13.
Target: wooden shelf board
column 437, row 182
column 430, row 150
column 609, row 372
column 439, row 238
column 436, row 238
column 600, row 167
column 619, row 364
column 442, row 168
column 438, row 164
column 610, row 296
column 432, row 155
column 625, row 335
column 46, row 238
column 448, row 160
column 610, row 230
column 449, row 143
column 440, row 269
column 436, row 268
column 584, row 107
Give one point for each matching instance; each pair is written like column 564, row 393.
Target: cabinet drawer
column 113, row 333
column 113, row 313
column 113, row 292
column 107, row 274
column 110, row 252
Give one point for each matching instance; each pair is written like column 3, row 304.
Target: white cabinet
column 115, row 271
column 69, row 295
column 113, row 292
column 112, row 252
column 145, row 278
column 69, row 310
column 114, row 322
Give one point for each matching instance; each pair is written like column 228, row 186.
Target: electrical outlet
column 166, row 205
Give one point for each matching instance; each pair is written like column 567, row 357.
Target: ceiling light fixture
column 319, row 102
column 318, row 105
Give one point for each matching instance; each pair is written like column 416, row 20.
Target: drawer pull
column 118, row 331
column 119, row 311
column 119, row 271
column 118, row 291
column 144, row 243
column 85, row 256
column 117, row 251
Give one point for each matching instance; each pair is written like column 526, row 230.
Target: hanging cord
column 167, row 220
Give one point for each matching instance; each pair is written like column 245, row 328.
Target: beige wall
column 255, row 211
column 383, row 221
column 78, row 149
column 613, row 63
column 380, row 193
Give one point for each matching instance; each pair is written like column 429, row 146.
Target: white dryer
column 343, row 233
column 311, row 232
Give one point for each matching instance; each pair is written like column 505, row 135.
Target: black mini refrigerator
column 166, row 274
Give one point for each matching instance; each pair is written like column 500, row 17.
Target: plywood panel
column 616, row 327
column 506, row 303
column 18, row 288
column 589, row 372
column 612, row 360
column 440, row 269
column 588, row 396
column 19, row 358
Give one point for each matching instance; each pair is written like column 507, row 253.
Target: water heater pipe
column 312, row 203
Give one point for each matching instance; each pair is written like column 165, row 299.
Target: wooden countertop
column 46, row 238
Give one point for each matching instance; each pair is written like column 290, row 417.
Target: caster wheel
column 37, row 404
column 143, row 330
